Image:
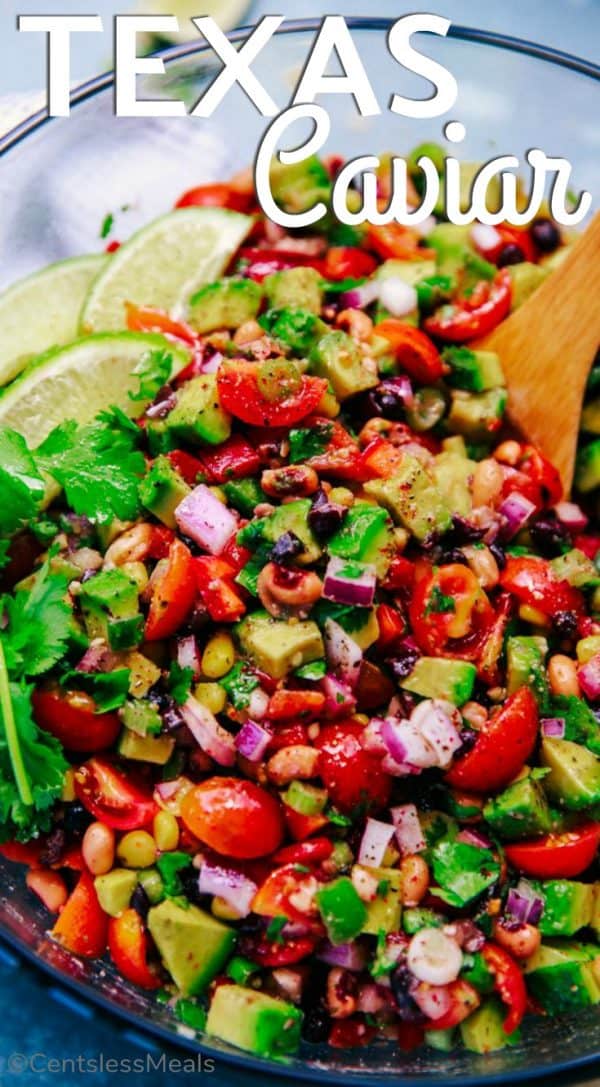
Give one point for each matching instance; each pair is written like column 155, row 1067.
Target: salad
column 300, row 647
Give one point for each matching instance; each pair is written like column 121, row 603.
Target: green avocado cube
column 161, row 491
column 299, row 287
column 521, row 811
column 293, row 517
column 109, row 599
column 568, row 906
column 114, row 890
column 384, row 912
column 525, row 278
column 254, row 1021
column 587, row 467
column 525, row 665
column 198, row 416
column 474, row 371
column 343, row 912
column 440, row 677
column 365, row 536
column 483, row 1031
column 298, row 186
column 562, row 977
column 295, row 330
column 278, row 647
column 413, row 499
column 453, row 474
column 154, row 749
column 574, row 778
column 338, row 358
column 477, row 415
column 228, row 303
column 576, row 568
column 193, row 946
column 409, row 271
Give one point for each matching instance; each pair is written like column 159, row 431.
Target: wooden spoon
column 547, row 348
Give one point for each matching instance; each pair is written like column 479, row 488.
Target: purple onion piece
column 349, row 582
column 252, row 740
column 554, row 727
column 349, row 956
column 516, row 509
column 236, row 889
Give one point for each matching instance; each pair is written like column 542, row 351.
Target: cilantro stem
column 12, row 736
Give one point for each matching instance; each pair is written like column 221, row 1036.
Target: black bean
column 53, row 849
column 140, row 902
column 549, row 535
column 565, row 624
column 499, row 554
column 401, row 981
column 546, row 235
column 387, row 400
column 325, row 517
column 286, row 548
column 76, row 819
column 316, row 1025
column 510, row 254
column 404, row 660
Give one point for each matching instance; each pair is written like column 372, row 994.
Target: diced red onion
column 375, row 840
column 208, row 733
column 360, row 297
column 349, row 956
column 406, row 745
column 371, row 738
column 343, row 654
column 342, row 589
column 212, row 363
column 98, row 658
column 398, row 297
column 589, row 678
column 473, row 837
column 524, row 904
column 517, row 510
column 485, row 238
column 235, row 888
column 339, row 698
column 408, row 829
column 188, row 655
column 439, row 723
column 252, row 740
column 403, row 388
column 398, row 769
column 206, row 520
column 553, row 727
column 258, row 703
column 433, row 1000
column 168, row 789
column 571, row 515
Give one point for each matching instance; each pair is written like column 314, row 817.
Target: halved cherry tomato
column 22, row 852
column 189, row 467
column 148, row 319
column 301, row 826
column 236, row 555
column 508, row 983
column 542, row 473
column 128, row 947
column 501, row 748
column 82, row 925
column 234, row 459
column 287, row 705
column 173, row 594
column 413, row 349
column 220, row 812
column 488, row 664
column 110, row 797
column 394, row 241
column 269, row 953
column 239, row 394
column 71, row 717
column 391, row 626
column 216, row 195
column 273, row 897
column 341, row 457
column 305, row 852
column 533, row 581
column 447, row 603
column 351, row 775
column 468, row 320
column 348, row 262
column 465, row 999
column 556, row 856
column 214, row 578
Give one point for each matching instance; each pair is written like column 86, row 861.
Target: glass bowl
column 59, row 180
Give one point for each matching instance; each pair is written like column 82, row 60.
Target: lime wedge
column 163, row 264
column 43, row 310
column 78, row 381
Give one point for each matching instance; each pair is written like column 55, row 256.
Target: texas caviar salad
column 299, row 651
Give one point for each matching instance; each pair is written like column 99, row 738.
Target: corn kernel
column 587, row 648
column 328, row 405
column 165, row 829
column 211, row 695
column 342, row 495
column 68, row 786
column 137, row 849
column 219, row 656
column 532, row 615
column 223, row 910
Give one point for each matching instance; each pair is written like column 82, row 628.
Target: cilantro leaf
column 306, row 443
column 37, row 625
column 108, row 689
column 274, row 930
column 313, row 671
column 169, row 866
column 239, row 684
column 439, row 602
column 21, row 484
column 349, row 617
column 107, row 225
column 97, row 465
column 153, row 370
column 180, row 682
column 462, row 871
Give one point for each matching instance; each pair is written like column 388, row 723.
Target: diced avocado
column 366, row 536
column 338, row 358
column 450, row 242
column 590, row 417
column 161, row 491
column 293, row 517
column 343, row 912
column 521, row 811
column 154, row 749
column 413, row 499
column 296, row 330
column 384, row 912
column 276, row 646
column 365, row 635
column 595, row 918
column 297, row 287
column 417, row 917
column 299, row 186
column 228, row 303
column 576, row 568
column 440, row 677
column 198, row 415
column 525, row 278
column 304, row 798
column 581, row 725
column 244, row 495
column 483, row 1031
column 115, row 889
column 193, row 945
column 141, row 717
column 108, row 599
column 125, row 633
column 561, row 976
column 525, row 664
column 568, row 906
column 574, row 778
column 442, row 1040
column 477, row 415
column 410, row 271
column 453, row 474
column 143, row 674
column 150, row 880
column 587, row 648
column 474, row 371
column 254, row 1021
column 587, row 468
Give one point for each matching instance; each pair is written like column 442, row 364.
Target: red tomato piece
column 382, row 458
column 394, row 241
column 401, row 574
column 305, row 852
column 447, row 603
column 588, row 543
column 391, row 626
column 301, row 826
column 533, row 581
column 508, row 983
column 341, row 457
column 413, row 349
column 82, row 925
column 173, row 594
column 110, row 797
column 273, row 896
column 488, row 666
column 239, row 394
column 286, row 705
column 348, row 262
column 542, row 473
column 148, row 319
column 286, row 737
column 556, row 856
column 465, row 999
column 234, row 459
column 216, row 195
column 351, row 775
column 191, row 468
column 214, row 578
column 270, row 953
column 160, row 541
column 71, row 717
column 22, row 852
column 501, row 749
column 221, row 811
column 465, row 321
column 128, row 947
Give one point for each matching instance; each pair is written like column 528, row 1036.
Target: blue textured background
column 34, row 1016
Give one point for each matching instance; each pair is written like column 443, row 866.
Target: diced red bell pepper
column 190, row 468
column 392, row 626
column 128, row 947
column 269, row 953
column 382, row 459
column 588, row 543
column 22, row 852
column 287, row 705
column 236, row 555
column 82, row 926
column 301, row 826
column 214, row 578
column 342, row 457
column 508, row 983
column 160, row 542
column 234, row 459
column 313, row 852
column 415, row 352
column 288, row 736
column 401, row 574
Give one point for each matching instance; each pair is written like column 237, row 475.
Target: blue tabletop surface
column 41, row 1026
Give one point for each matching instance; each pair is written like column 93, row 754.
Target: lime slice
column 43, row 310
column 164, row 263
column 227, row 13
column 78, row 381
